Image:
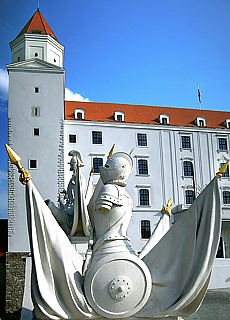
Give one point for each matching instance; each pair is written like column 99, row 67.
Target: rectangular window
column 97, row 163
column 145, row 229
column 32, row 164
column 141, row 140
column 144, row 197
column 119, row 117
column 185, row 142
column 188, row 168
column 142, row 166
column 226, row 197
column 36, row 89
column 72, row 138
column 189, row 196
column 35, row 111
column 201, row 123
column 36, row 132
column 97, row 137
column 222, row 144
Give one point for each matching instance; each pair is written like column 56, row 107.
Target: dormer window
column 201, row 122
column 79, row 114
column 164, row 119
column 119, row 116
column 227, row 123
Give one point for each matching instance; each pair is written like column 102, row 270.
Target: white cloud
column 71, row 96
column 4, row 81
column 3, row 176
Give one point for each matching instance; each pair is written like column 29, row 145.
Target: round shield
column 118, row 285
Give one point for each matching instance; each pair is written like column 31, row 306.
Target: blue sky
column 129, row 51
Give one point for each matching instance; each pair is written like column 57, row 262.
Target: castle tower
column 35, row 112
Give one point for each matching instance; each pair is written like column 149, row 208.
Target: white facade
column 165, row 157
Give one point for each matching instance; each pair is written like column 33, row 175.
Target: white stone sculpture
column 72, row 214
column 170, row 281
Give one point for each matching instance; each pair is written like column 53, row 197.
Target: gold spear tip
column 131, row 151
column 111, row 152
column 14, row 158
column 222, row 169
column 25, row 176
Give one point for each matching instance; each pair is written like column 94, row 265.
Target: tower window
column 185, row 142
column 33, row 164
column 226, row 197
column 36, row 89
column 141, row 140
column 72, row 138
column 188, row 168
column 36, row 54
column 145, row 229
column 222, row 144
column 142, row 166
column 35, row 111
column 97, row 163
column 189, row 196
column 36, row 132
column 97, row 137
column 144, row 197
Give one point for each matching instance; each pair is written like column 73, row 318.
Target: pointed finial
column 131, row 151
column 111, row 152
column 222, row 169
column 25, row 176
column 38, row 8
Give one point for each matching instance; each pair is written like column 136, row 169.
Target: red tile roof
column 37, row 24
column 104, row 112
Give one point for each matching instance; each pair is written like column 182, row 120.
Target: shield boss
column 118, row 286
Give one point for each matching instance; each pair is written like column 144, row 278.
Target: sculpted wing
column 180, row 264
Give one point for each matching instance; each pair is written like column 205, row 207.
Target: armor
column 117, row 169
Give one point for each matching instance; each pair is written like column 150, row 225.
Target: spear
column 25, row 176
column 222, row 169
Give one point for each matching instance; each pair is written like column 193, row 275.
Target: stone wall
column 15, row 279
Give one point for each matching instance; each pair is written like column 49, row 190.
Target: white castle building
column 176, row 152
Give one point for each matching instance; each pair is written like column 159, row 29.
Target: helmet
column 117, row 169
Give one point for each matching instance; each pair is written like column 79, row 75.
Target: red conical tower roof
column 37, row 25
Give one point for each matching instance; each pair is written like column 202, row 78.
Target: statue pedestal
column 27, row 305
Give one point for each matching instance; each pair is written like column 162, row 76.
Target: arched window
column 79, row 114
column 188, row 168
